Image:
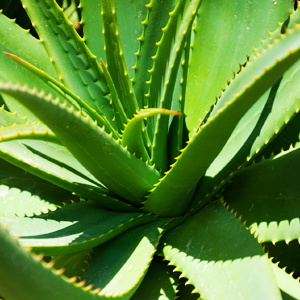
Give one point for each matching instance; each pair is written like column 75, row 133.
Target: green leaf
column 267, row 196
column 73, row 265
column 117, row 169
column 77, row 67
column 157, row 18
column 35, row 280
column 120, row 116
column 289, row 287
column 213, row 246
column 176, row 136
column 217, row 49
column 242, row 93
column 119, row 266
column 53, row 162
column 73, row 228
column 64, row 93
column 19, row 41
column 91, row 19
column 28, row 131
column 60, row 88
column 159, row 283
column 136, row 12
column 258, row 127
column 132, row 135
column 115, row 59
column 165, row 72
column 22, row 193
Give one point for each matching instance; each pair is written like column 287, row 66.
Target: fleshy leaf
column 157, row 18
column 132, row 135
column 24, row 194
column 258, row 127
column 266, row 195
column 159, row 283
column 64, row 93
column 35, row 279
column 120, row 264
column 91, row 20
column 120, row 116
column 77, row 67
column 289, row 287
column 115, row 59
column 117, row 169
column 242, row 93
column 19, row 41
column 72, row 264
column 239, row 266
column 56, row 164
column 73, row 228
column 28, row 131
column 164, row 74
column 218, row 49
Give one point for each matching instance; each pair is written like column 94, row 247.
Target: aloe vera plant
column 134, row 165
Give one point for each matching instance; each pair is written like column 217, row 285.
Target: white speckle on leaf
column 188, row 245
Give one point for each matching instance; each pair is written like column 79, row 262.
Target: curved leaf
column 78, row 68
column 35, row 280
column 242, row 93
column 132, row 135
column 289, row 287
column 56, row 164
column 22, row 193
column 165, row 72
column 159, row 283
column 28, row 132
column 73, row 228
column 267, row 196
column 117, row 169
column 115, row 58
column 217, row 50
column 213, row 246
column 258, row 127
column 19, row 41
column 120, row 265
column 157, row 18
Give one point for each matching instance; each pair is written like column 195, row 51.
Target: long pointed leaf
column 97, row 151
column 17, row 40
column 218, row 49
column 24, row 194
column 267, row 196
column 63, row 92
column 77, row 67
column 28, row 131
column 157, row 18
column 165, row 71
column 242, row 93
column 132, row 136
column 73, row 228
column 35, row 280
column 259, row 127
column 239, row 265
column 120, row 265
column 115, row 59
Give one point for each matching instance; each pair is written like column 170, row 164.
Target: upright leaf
column 218, row 49
column 96, row 150
column 77, row 68
column 242, row 93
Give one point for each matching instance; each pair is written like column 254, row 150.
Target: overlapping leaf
column 73, row 228
column 242, row 93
